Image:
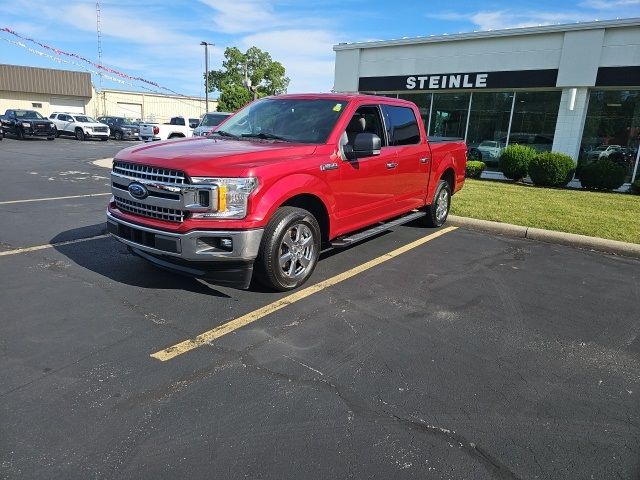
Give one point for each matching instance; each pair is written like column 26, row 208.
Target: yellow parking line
column 49, row 245
column 54, row 198
column 219, row 331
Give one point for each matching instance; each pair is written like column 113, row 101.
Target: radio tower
column 99, row 34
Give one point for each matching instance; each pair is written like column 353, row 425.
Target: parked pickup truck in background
column 178, row 127
column 278, row 181
column 27, row 123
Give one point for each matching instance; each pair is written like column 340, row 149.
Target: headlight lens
column 233, row 196
column 26, row 124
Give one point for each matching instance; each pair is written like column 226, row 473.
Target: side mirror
column 364, row 145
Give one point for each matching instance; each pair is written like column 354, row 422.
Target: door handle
column 392, row 165
column 424, row 160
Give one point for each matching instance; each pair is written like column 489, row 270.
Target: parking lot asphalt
column 470, row 356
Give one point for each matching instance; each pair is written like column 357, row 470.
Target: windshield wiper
column 266, row 136
column 222, row 133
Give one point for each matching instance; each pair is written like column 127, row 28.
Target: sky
column 159, row 40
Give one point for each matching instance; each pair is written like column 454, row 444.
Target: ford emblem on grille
column 137, row 190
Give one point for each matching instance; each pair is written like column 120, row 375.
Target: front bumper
column 201, row 253
column 92, row 134
column 30, row 132
column 196, row 245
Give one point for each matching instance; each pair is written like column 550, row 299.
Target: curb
column 548, row 236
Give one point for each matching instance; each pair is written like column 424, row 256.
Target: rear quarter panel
column 445, row 155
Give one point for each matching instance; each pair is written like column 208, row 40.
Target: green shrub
column 635, row 187
column 551, row 169
column 602, row 174
column 475, row 168
column 514, row 161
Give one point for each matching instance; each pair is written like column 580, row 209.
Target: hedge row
column 551, row 169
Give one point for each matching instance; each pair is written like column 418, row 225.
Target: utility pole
column 246, row 82
column 206, row 74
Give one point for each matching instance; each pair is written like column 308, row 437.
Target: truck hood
column 207, row 156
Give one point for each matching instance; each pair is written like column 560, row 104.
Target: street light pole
column 206, row 74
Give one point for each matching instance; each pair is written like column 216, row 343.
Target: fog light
column 226, row 244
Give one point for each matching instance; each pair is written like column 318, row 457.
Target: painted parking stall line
column 50, row 245
column 221, row 330
column 48, row 199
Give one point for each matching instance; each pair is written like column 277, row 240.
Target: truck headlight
column 233, row 195
column 26, row 124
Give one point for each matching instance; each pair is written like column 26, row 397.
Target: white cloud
column 503, row 19
column 307, row 56
column 610, row 4
column 241, row 16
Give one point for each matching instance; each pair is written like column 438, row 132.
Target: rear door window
column 402, row 126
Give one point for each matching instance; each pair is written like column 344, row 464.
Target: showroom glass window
column 489, row 126
column 449, row 115
column 534, row 119
column 423, row 101
column 612, row 129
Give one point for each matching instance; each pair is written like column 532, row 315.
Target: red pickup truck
column 277, row 182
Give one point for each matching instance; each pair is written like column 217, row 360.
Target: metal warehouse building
column 49, row 90
column 568, row 88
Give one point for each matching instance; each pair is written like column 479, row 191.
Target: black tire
column 117, row 136
column 79, row 134
column 51, row 138
column 291, row 239
column 19, row 133
column 437, row 213
column 104, row 139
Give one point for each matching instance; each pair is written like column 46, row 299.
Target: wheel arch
column 295, row 191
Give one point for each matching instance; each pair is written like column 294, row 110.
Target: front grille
column 151, row 211
column 101, row 129
column 149, row 173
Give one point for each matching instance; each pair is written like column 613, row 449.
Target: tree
column 267, row 77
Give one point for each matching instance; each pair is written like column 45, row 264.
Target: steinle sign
column 434, row 82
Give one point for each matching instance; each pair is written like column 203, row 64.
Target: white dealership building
column 567, row 88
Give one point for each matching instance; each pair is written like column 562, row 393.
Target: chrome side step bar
column 342, row 242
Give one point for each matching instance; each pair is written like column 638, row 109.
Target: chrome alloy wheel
column 442, row 205
column 296, row 251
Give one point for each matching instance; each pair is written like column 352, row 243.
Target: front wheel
column 117, row 136
column 19, row 134
column 438, row 211
column 289, row 249
column 79, row 134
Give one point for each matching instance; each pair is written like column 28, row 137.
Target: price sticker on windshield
column 337, row 107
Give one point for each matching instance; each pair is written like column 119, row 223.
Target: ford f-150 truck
column 277, row 182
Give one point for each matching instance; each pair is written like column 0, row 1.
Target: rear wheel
column 79, row 134
column 289, row 250
column 438, row 211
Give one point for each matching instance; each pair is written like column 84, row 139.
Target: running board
column 342, row 242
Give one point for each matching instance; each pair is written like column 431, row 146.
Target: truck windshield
column 28, row 114
column 285, row 119
column 212, row 119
